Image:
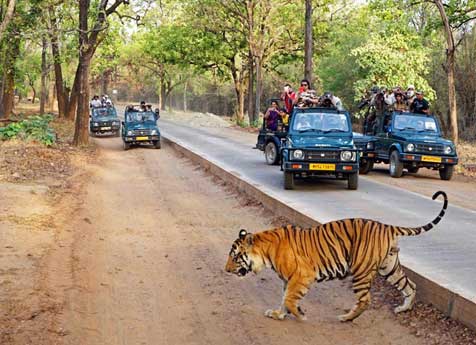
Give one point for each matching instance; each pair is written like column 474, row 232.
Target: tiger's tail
column 402, row 231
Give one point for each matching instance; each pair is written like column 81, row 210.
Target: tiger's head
column 239, row 259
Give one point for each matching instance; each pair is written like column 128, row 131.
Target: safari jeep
column 140, row 128
column 104, row 120
column 413, row 141
column 366, row 146
column 319, row 143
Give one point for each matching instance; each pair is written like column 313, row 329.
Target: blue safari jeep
column 413, row 141
column 140, row 127
column 104, row 120
column 320, row 143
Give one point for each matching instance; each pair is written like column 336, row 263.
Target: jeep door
column 384, row 136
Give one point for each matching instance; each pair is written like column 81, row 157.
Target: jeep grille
column 437, row 149
column 322, row 156
column 139, row 132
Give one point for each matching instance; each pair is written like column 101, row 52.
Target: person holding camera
column 288, row 97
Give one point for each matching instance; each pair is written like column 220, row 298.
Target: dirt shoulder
column 150, row 242
column 39, row 188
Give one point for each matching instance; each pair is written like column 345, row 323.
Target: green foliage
column 392, row 60
column 36, row 128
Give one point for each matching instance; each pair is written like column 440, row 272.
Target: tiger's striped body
column 358, row 247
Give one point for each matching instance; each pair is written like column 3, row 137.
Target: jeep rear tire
column 413, row 170
column 446, row 173
column 271, row 153
column 288, row 180
column 396, row 166
column 117, row 133
column 157, row 144
column 126, row 146
column 353, row 181
column 366, row 166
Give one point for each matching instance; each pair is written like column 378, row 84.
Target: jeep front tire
column 396, row 166
column 365, row 166
column 288, row 180
column 353, row 181
column 446, row 173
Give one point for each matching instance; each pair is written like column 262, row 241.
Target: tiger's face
column 239, row 259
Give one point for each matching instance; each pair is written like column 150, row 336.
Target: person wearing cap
column 419, row 104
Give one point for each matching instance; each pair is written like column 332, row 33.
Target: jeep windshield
column 147, row 116
column 320, row 122
column 417, row 123
column 103, row 112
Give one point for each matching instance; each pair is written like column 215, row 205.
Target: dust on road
column 151, row 240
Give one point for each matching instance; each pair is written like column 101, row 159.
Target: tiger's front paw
column 275, row 314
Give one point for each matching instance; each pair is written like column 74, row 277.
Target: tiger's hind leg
column 393, row 273
column 361, row 286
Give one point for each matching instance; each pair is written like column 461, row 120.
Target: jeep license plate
column 105, row 128
column 142, row 138
column 328, row 167
column 431, row 159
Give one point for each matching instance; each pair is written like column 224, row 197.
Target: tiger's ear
column 242, row 234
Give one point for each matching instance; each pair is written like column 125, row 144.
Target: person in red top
column 288, row 96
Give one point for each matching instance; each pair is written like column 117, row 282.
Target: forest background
column 229, row 57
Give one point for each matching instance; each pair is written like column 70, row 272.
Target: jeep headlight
column 448, row 150
column 347, row 156
column 129, row 132
column 95, row 124
column 370, row 145
column 298, row 154
column 410, row 147
column 154, row 132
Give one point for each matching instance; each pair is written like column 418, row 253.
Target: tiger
column 361, row 248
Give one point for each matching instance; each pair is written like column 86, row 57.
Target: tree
column 5, row 20
column 308, row 42
column 89, row 39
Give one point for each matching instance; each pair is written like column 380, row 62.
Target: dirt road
column 149, row 246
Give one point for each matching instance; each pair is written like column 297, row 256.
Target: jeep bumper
column 105, row 128
column 322, row 168
column 141, row 139
column 427, row 160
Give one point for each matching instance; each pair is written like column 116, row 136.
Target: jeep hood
column 422, row 138
column 320, row 141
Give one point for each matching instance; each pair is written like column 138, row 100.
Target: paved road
column 446, row 255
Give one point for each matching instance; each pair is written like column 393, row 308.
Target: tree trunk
column 61, row 94
column 106, row 77
column 44, row 74
column 251, row 105
column 72, row 104
column 185, row 95
column 8, row 17
column 163, row 94
column 34, row 93
column 259, row 79
column 6, row 107
column 308, row 46
column 81, row 133
column 450, row 71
